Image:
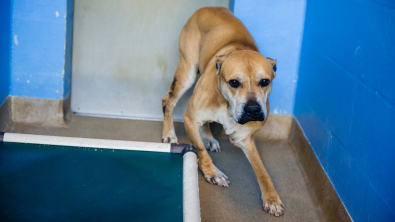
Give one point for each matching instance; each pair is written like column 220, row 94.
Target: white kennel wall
column 125, row 53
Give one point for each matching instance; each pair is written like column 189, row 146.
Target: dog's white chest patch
column 235, row 131
column 223, row 115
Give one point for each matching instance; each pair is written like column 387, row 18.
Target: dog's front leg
column 271, row 200
column 211, row 173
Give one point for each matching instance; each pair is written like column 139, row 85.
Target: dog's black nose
column 252, row 112
column 252, row 108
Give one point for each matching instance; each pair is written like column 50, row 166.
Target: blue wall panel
column 68, row 55
column 373, row 141
column 5, row 44
column 345, row 100
column 277, row 27
column 38, row 49
column 387, row 83
column 319, row 136
column 343, row 169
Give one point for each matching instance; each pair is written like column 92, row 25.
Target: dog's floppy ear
column 273, row 63
column 218, row 62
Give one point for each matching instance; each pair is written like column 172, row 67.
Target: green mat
column 55, row 183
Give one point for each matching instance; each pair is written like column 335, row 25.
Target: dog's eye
column 234, row 83
column 264, row 82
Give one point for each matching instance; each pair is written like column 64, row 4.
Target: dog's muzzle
column 252, row 112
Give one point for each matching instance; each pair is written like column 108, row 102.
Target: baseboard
column 51, row 112
column 5, row 114
column 277, row 127
column 34, row 111
column 67, row 113
column 325, row 193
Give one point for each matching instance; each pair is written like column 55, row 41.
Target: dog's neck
column 233, row 47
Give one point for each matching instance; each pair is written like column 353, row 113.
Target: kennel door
column 125, row 53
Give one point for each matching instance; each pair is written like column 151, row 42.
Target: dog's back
column 217, row 28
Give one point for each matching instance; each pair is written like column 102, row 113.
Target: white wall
column 125, row 53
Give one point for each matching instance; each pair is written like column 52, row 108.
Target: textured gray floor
column 239, row 202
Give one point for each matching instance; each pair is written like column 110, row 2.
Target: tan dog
column 233, row 91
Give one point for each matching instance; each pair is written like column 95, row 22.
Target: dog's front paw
column 273, row 206
column 169, row 139
column 219, row 179
column 212, row 145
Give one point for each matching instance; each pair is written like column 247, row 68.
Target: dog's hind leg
column 184, row 78
column 209, row 141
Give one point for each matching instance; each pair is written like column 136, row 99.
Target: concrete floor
column 239, row 202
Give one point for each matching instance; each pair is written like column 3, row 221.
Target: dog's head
column 245, row 78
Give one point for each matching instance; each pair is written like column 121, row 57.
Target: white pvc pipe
column 190, row 196
column 85, row 142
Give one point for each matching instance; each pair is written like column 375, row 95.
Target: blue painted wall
column 68, row 52
column 5, row 44
column 345, row 100
column 38, row 57
column 277, row 27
